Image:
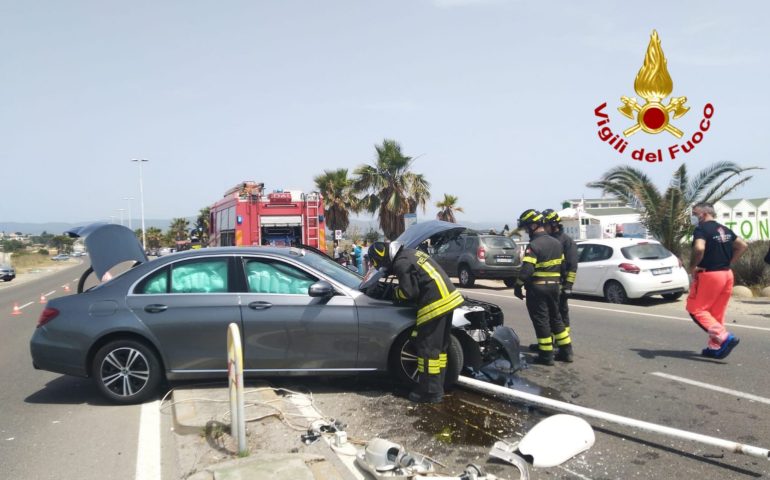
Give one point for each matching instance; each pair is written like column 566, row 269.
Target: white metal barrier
column 235, row 380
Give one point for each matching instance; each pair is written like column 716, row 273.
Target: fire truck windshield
column 328, row 266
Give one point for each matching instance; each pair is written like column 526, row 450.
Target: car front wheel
column 126, row 371
column 615, row 293
column 403, row 361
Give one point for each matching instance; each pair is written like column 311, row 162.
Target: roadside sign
column 338, row 234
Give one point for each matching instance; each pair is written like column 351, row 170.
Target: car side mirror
column 321, row 288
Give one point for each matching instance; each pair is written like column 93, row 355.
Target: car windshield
column 645, row 251
column 498, row 242
column 328, row 267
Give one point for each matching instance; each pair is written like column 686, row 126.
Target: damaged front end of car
column 488, row 345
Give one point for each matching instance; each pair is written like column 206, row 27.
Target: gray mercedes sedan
column 299, row 313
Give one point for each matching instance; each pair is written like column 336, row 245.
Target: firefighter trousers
column 431, row 342
column 564, row 310
column 707, row 303
column 543, row 307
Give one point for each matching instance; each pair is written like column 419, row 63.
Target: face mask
column 694, row 220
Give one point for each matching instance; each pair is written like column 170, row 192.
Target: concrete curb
column 198, row 412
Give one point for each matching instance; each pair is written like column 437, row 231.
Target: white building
column 600, row 218
column 746, row 217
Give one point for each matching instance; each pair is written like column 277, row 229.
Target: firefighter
column 423, row 282
column 553, row 226
column 541, row 274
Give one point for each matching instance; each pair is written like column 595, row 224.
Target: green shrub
column 43, row 251
column 751, row 269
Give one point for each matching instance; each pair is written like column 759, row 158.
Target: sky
column 494, row 99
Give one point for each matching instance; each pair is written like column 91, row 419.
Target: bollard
column 235, row 380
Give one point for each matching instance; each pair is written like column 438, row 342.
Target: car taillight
column 629, row 268
column 481, row 254
column 47, row 315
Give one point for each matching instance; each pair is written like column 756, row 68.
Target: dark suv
column 473, row 255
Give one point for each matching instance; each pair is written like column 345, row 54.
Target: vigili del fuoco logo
column 653, row 84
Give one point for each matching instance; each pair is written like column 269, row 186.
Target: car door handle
column 260, row 305
column 155, row 308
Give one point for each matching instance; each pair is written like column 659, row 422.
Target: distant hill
column 58, row 228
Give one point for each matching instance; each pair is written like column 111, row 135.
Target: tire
column 615, row 293
column 140, row 375
column 510, row 282
column 465, row 276
column 403, row 360
column 672, row 296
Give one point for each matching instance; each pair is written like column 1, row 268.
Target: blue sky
column 496, row 99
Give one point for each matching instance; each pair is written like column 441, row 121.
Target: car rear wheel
column 403, row 360
column 126, row 371
column 672, row 296
column 615, row 293
column 465, row 276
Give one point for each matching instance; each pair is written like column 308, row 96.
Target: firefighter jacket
column 570, row 264
column 542, row 260
column 422, row 281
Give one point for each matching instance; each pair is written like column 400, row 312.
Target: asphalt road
column 58, row 427
column 638, row 361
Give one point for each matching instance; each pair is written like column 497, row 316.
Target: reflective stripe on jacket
column 542, row 259
column 569, row 248
column 422, row 281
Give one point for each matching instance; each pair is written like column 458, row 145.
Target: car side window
column 588, row 253
column 154, row 284
column 271, row 276
column 605, row 252
column 199, row 276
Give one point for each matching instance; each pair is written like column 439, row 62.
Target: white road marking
column 670, row 317
column 50, row 293
column 26, row 305
column 148, row 446
column 715, row 388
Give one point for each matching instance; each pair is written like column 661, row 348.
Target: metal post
column 141, row 200
column 478, row 385
column 235, row 380
column 129, row 199
column 121, row 210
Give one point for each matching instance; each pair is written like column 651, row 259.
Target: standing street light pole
column 141, row 200
column 129, row 199
column 121, row 210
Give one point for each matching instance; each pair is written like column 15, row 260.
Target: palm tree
column 447, row 208
column 202, row 224
column 339, row 199
column 390, row 188
column 666, row 215
column 154, row 237
column 178, row 229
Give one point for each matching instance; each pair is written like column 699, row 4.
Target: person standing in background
column 714, row 249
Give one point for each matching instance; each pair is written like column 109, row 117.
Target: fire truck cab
column 247, row 215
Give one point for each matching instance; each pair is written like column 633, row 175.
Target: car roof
column 617, row 241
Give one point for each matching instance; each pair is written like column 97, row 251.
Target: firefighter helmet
column 530, row 217
column 550, row 217
column 379, row 254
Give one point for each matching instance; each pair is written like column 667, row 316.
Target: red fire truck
column 247, row 215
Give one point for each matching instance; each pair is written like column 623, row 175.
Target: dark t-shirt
column 719, row 245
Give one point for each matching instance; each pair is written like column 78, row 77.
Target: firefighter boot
column 544, row 357
column 565, row 354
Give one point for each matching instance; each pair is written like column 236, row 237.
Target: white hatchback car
column 622, row 268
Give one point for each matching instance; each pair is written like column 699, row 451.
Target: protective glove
column 518, row 293
column 566, row 289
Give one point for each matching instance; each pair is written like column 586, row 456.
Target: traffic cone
column 42, row 298
column 67, row 287
column 16, row 309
